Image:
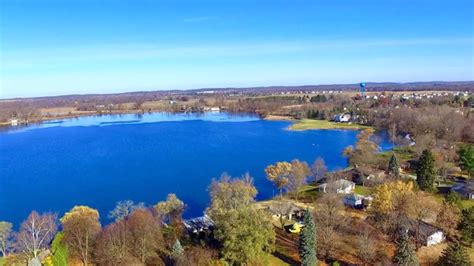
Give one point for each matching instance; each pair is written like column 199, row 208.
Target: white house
column 346, row 117
column 14, row 122
column 429, row 234
column 340, row 186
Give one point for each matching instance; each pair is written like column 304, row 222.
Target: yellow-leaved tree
column 279, row 174
column 391, row 196
column 81, row 226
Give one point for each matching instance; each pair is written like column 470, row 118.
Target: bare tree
column 36, row 234
column 297, row 178
column 114, row 245
column 329, row 218
column 123, row 209
column 319, row 169
column 367, row 247
column 5, row 234
column 146, row 236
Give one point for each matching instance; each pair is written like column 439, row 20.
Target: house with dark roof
column 428, row 234
column 465, row 190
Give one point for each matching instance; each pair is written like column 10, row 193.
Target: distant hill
column 151, row 95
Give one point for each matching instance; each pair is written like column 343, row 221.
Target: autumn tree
column 448, row 218
column 307, row 245
column 391, row 196
column 171, row 211
column 146, row 235
column 123, row 209
column 113, row 244
column 425, row 172
column 81, row 226
column 319, row 169
column 364, row 151
column 5, row 235
column 367, row 247
column 453, row 198
column 466, row 159
column 454, row 255
column 279, row 174
column 297, row 178
column 329, row 220
column 423, row 206
column 198, row 255
column 466, row 225
column 246, row 234
column 391, row 205
column 36, row 234
column 405, row 255
column 394, row 166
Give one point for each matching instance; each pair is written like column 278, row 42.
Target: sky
column 55, row 47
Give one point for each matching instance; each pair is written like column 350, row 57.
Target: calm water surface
column 99, row 160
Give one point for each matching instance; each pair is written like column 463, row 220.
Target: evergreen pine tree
column 307, row 247
column 177, row 250
column 466, row 159
column 454, row 255
column 394, row 166
column 466, row 225
column 404, row 254
column 425, row 172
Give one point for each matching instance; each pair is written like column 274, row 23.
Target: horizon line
column 234, row 88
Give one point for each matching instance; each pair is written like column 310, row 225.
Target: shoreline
column 297, row 124
column 313, row 124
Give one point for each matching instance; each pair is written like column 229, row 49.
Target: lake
column 99, row 160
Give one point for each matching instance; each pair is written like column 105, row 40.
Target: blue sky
column 65, row 47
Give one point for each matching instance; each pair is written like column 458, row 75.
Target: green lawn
column 306, row 124
column 402, row 153
column 465, row 203
column 361, row 190
column 309, row 193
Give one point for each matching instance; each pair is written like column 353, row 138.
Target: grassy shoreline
column 309, row 124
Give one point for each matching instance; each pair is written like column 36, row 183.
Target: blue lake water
column 99, row 160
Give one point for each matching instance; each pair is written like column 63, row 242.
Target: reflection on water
column 117, row 119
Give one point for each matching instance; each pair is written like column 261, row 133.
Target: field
column 307, row 124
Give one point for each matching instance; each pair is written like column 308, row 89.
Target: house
column 353, row 200
column 465, row 190
column 346, row 117
column 429, row 235
column 357, row 201
column 212, row 109
column 338, row 186
column 14, row 122
column 422, row 232
column 289, row 212
column 199, row 224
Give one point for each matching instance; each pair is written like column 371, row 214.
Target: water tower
column 362, row 89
